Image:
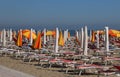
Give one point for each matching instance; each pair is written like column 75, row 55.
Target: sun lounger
column 61, row 62
column 117, row 67
column 107, row 71
column 111, row 59
column 83, row 67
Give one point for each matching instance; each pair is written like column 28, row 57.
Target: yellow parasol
column 61, row 40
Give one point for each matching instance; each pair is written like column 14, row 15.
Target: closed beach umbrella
column 90, row 37
column 56, row 41
column 31, row 38
column 7, row 34
column 76, row 36
column 37, row 44
column 82, row 37
column 106, row 39
column 44, row 36
column 11, row 35
column 93, row 37
column 14, row 36
column 85, row 46
column 19, row 38
column 61, row 39
column 1, row 36
column 65, row 35
column 79, row 35
column 69, row 35
column 4, row 37
column 97, row 37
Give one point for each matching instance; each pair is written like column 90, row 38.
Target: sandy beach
column 33, row 69
column 80, row 61
column 7, row 72
column 59, row 38
column 30, row 68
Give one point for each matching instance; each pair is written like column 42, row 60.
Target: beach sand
column 7, row 72
column 32, row 69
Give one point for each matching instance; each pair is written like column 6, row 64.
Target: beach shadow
column 77, row 73
column 42, row 65
column 101, row 63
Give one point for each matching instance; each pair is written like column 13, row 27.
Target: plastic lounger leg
column 30, row 60
column 67, row 70
column 80, row 72
column 98, row 75
column 50, row 65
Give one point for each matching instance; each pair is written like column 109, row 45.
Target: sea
column 72, row 28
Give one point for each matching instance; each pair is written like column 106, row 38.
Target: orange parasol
column 93, row 37
column 37, row 44
column 68, row 35
column 114, row 33
column 27, row 32
column 19, row 39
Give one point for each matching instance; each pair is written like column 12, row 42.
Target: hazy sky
column 60, row 12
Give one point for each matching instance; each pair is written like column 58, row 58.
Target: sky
column 52, row 13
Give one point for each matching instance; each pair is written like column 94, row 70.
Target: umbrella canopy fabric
column 117, row 35
column 37, row 44
column 27, row 32
column 114, row 33
column 69, row 35
column 93, row 37
column 48, row 33
column 56, row 40
column 19, row 39
column 61, row 39
column 85, row 46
